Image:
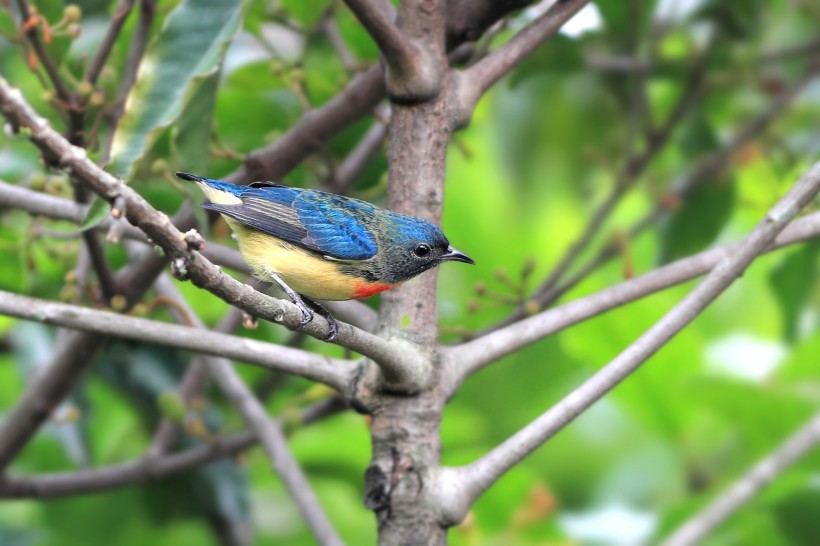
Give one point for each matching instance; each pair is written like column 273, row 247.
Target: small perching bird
column 319, row 245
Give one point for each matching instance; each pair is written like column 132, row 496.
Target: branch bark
column 693, row 531
column 472, row 83
column 269, row 432
column 394, row 358
column 333, row 372
column 468, row 358
column 459, row 487
column 146, row 468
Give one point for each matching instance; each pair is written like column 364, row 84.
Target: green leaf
column 99, row 211
column 792, row 281
column 192, row 133
column 190, row 45
column 699, row 220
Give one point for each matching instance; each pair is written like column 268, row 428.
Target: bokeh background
column 544, row 149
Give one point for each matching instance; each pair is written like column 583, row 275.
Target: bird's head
column 412, row 246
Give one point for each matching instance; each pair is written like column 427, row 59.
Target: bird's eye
column 422, row 250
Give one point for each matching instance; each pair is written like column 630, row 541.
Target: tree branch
column 72, row 356
column 694, row 530
column 460, row 486
column 470, row 84
column 146, row 468
column 336, row 373
column 121, row 13
column 468, row 358
column 706, row 168
column 58, row 208
column 466, row 20
column 395, row 358
column 270, row 433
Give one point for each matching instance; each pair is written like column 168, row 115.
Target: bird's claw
column 333, row 328
column 307, row 316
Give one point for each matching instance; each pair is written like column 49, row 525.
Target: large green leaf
column 191, row 135
column 792, row 283
column 190, row 45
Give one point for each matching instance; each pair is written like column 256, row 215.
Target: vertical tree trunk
column 406, row 429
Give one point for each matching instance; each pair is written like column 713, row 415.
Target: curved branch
column 696, row 529
column 271, row 433
column 33, row 202
column 473, row 356
column 460, row 486
column 333, row 372
column 402, row 365
column 146, row 468
column 473, row 82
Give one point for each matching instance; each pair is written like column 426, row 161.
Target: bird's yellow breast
column 302, row 270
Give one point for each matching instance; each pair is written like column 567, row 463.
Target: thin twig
column 460, row 486
column 121, row 13
column 72, row 356
column 146, row 468
column 270, row 433
column 694, row 530
column 333, row 372
column 393, row 356
column 473, row 356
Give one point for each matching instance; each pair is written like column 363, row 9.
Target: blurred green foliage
column 543, row 150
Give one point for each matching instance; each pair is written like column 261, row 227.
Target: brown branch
column 473, row 356
column 121, row 13
column 396, row 359
column 460, row 486
column 336, row 373
column 72, row 357
column 270, row 433
column 146, row 468
column 473, row 82
column 798, row 445
column 34, row 39
column 466, row 20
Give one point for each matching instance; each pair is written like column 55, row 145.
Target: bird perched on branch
column 319, row 245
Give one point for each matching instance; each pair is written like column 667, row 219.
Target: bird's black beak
column 453, row 255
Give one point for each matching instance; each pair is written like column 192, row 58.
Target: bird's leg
column 322, row 310
column 307, row 312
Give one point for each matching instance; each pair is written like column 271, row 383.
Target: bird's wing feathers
column 333, row 225
column 304, row 219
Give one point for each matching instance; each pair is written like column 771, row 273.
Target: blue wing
column 314, row 220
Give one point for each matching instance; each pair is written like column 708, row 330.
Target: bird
column 318, row 245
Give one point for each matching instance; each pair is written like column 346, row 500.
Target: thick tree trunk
column 406, row 429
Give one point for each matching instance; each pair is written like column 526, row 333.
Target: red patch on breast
column 367, row 289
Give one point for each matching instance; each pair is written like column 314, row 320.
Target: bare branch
column 708, row 167
column 72, row 357
column 466, row 20
column 333, row 372
column 633, row 168
column 354, row 312
column 270, row 433
column 414, row 70
column 397, row 360
column 460, row 486
column 473, row 82
column 121, row 13
column 146, row 468
column 796, row 446
column 473, row 356
column 37, row 45
column 360, row 156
